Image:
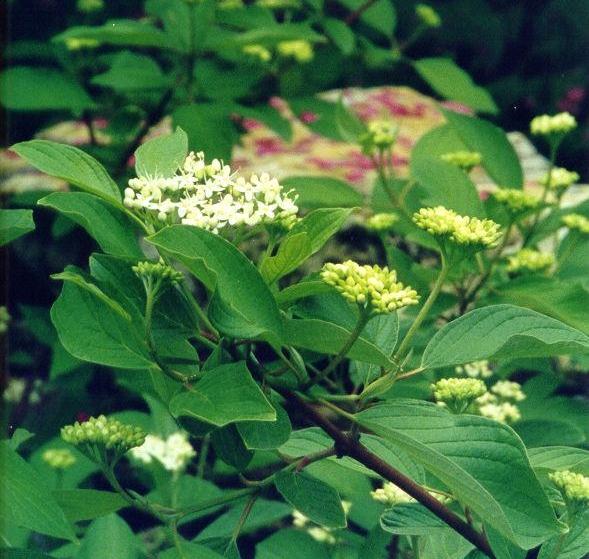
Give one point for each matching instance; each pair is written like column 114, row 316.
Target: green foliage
column 15, row 224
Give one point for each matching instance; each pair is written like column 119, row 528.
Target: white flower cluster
column 560, row 123
column 174, row 453
column 458, row 393
column 211, row 197
column 497, row 404
column 391, row 495
column 476, row 369
column 318, row 533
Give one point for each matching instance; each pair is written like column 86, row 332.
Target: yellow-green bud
column 382, row 222
column 380, row 134
column 4, row 319
column 156, row 270
column 516, row 201
column 574, row 487
column 301, row 51
column 258, row 51
column 427, row 15
column 458, row 393
column 546, row 125
column 87, row 6
column 559, row 178
column 465, row 160
column 74, row 44
column 371, row 287
column 463, row 230
column 577, row 222
column 59, row 458
column 508, row 390
column 530, row 260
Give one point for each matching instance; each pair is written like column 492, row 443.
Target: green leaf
column 111, row 228
column 499, row 157
column 328, row 338
column 560, row 458
column 573, row 545
column 292, row 251
column 15, row 224
column 88, row 504
column 26, row 501
column 109, row 537
column 316, row 500
column 410, row 519
column 92, row 331
column 266, row 435
column 119, row 32
column 23, row 88
column 482, row 462
column 130, row 72
column 162, row 156
column 82, row 280
column 268, row 36
column 230, row 448
column 341, row 35
column 249, row 307
column 449, row 80
column 321, row 192
column 290, row 544
column 223, row 81
column 12, row 553
column 301, row 290
column 446, row 185
column 320, row 225
column 348, row 124
column 72, row 165
column 501, row 331
column 190, row 550
column 542, row 432
column 270, row 117
column 380, row 15
column 224, row 395
column 209, row 128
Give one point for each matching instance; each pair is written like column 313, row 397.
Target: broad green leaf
column 449, row 80
column 162, row 156
column 410, row 519
column 119, row 32
column 574, row 545
column 230, row 448
column 502, row 331
column 222, row 81
column 316, row 500
column 92, row 331
column 482, row 462
column 224, row 395
column 109, row 537
column 320, row 225
column 82, row 280
column 380, row 15
column 15, row 224
column 268, row 36
column 263, row 514
column 499, row 157
column 564, row 300
column 26, row 501
column 329, row 338
column 292, row 251
column 130, row 72
column 301, row 290
column 348, row 124
column 543, row 432
column 88, row 504
column 341, row 35
column 209, row 128
column 111, row 228
column 290, row 544
column 266, row 435
column 189, row 550
column 270, row 117
column 560, row 458
column 13, row 553
column 72, row 165
column 438, row 141
column 24, row 88
column 446, row 185
column 221, row 267
column 322, row 192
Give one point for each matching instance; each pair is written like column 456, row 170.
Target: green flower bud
column 58, row 458
column 577, row 222
column 259, row 52
column 458, row 393
column 465, row 160
column 559, row 179
column 427, row 15
column 530, row 260
column 301, row 51
column 380, row 134
column 381, row 223
column 516, row 201
column 546, row 125
column 573, row 486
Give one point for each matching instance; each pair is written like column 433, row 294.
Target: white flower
column 503, row 413
column 508, row 390
column 476, row 369
column 174, row 453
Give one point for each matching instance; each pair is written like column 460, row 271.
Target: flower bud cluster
column 498, row 403
column 211, row 196
column 463, row 159
column 103, row 432
column 381, row 223
column 559, row 179
column 152, row 271
column 258, row 51
column 508, row 390
column 301, row 51
column 372, row 287
column 577, row 222
column 574, row 487
column 427, row 15
column 391, row 495
column 174, row 453
column 463, row 230
column 379, row 135
column 516, row 201
column 4, row 319
column 59, row 458
column 546, row 125
column 476, row 369
column 458, row 393
column 530, row 260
